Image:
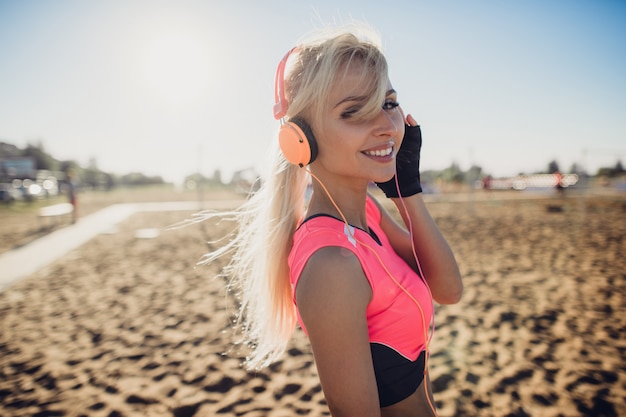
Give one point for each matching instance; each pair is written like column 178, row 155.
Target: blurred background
column 143, row 92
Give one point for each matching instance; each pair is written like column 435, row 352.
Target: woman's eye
column 349, row 112
column 390, row 104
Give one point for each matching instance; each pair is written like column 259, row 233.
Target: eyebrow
column 361, row 98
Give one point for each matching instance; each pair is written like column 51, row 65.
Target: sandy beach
column 128, row 325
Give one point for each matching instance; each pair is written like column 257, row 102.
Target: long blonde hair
column 258, row 270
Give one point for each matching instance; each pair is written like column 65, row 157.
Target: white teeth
column 380, row 152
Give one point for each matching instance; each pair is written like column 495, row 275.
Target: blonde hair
column 258, row 270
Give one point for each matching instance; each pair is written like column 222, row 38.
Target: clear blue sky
column 167, row 88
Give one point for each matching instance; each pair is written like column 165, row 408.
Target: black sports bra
column 396, row 376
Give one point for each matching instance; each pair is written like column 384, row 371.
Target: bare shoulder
column 332, row 280
column 332, row 297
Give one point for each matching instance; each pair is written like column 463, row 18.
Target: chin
column 385, row 178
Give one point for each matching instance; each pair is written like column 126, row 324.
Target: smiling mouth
column 381, row 152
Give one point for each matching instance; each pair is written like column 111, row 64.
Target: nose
column 385, row 124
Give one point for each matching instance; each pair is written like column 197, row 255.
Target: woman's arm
column 435, row 255
column 332, row 296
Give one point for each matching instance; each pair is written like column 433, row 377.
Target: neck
column 344, row 202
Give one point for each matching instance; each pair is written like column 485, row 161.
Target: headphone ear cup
column 297, row 142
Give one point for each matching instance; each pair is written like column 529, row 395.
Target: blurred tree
column 453, row 173
column 577, row 169
column 217, row 176
column 43, row 160
column 198, row 180
column 137, row 178
column 91, row 174
column 553, row 167
column 67, row 165
column 474, row 173
column 612, row 172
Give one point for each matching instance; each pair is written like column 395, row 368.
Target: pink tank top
column 393, row 318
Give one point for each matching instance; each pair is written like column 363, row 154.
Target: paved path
column 19, row 263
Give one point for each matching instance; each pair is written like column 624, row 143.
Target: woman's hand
column 407, row 164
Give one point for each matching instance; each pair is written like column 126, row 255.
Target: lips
column 381, row 151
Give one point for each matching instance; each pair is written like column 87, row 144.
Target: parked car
column 8, row 193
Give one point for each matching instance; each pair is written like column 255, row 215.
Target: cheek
column 336, row 139
column 337, row 151
column 398, row 121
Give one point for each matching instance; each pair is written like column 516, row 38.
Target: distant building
column 17, row 167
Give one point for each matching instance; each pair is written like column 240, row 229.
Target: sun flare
column 177, row 68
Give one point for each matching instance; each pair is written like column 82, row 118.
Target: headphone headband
column 281, row 104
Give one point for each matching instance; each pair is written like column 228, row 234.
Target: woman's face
column 364, row 149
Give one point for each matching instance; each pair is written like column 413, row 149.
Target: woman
column 351, row 272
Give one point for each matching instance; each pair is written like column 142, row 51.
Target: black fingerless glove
column 407, row 166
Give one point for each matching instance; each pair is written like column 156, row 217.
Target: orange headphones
column 295, row 137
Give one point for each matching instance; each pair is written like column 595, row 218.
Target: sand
column 129, row 326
